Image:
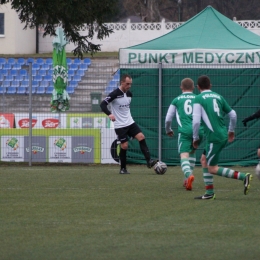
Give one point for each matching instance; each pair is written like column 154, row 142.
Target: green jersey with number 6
column 213, row 108
column 183, row 104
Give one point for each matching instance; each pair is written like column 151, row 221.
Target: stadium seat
column 46, row 66
column 2, row 60
column 47, row 78
column 19, row 78
column 29, row 60
column 2, row 90
column 71, row 73
column 111, row 86
column 35, row 66
column 15, row 84
column 35, row 84
column 1, row 77
column 11, row 90
column 69, row 61
column 43, row 84
column 70, row 90
column 116, row 77
column 6, row 84
column 83, row 66
column 76, row 78
column 42, row 72
column 16, row 66
column 73, row 84
column 49, row 61
column 77, row 61
column 4, row 72
column 24, row 84
column 87, row 61
column 9, row 78
column 23, row 72
column 11, row 61
column 50, row 72
column 37, row 78
column 40, row 90
column 13, row 72
column 73, row 67
column 33, row 90
column 21, row 90
column 40, row 61
column 21, row 61
column 80, row 72
column 7, row 66
column 49, row 90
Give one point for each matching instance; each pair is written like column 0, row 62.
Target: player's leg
column 184, row 149
column 212, row 160
column 122, row 137
column 135, row 131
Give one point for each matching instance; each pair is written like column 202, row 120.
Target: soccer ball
column 160, row 168
column 257, row 171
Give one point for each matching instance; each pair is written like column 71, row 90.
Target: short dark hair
column 204, row 82
column 187, row 84
column 124, row 76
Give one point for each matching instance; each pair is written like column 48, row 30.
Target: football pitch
column 92, row 212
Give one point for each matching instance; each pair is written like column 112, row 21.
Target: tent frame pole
column 160, row 113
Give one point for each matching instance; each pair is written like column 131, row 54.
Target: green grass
column 92, row 212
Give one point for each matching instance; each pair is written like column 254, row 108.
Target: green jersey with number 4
column 213, row 108
column 183, row 104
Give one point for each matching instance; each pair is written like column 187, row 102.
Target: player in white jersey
column 125, row 126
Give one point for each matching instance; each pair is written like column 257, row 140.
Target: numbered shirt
column 211, row 108
column 120, row 106
column 181, row 106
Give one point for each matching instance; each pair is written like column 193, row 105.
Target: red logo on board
column 50, row 123
column 24, row 123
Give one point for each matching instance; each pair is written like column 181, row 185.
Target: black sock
column 145, row 150
column 122, row 157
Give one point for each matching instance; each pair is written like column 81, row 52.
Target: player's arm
column 232, row 125
column 104, row 104
column 254, row 116
column 168, row 120
column 196, row 118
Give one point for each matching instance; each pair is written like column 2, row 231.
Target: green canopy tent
column 211, row 44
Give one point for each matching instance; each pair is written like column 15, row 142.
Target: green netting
column 240, row 87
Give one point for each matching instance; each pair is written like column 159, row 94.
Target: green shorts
column 213, row 151
column 185, row 143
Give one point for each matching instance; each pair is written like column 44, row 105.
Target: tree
column 72, row 15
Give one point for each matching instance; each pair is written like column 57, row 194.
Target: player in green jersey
column 210, row 107
column 181, row 107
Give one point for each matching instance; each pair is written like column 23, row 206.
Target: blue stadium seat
column 70, row 90
column 49, row 61
column 111, row 86
column 80, row 72
column 21, row 61
column 69, row 61
column 83, row 66
column 24, row 84
column 21, row 90
column 73, row 84
column 87, row 61
column 9, row 78
column 1, row 77
column 16, row 66
column 50, row 72
column 49, row 90
column 73, row 67
column 7, row 66
column 29, row 60
column 43, row 84
column 19, row 78
column 15, row 84
column 40, row 90
column 35, row 84
column 76, row 78
column 11, row 61
column 47, row 78
column 40, row 61
column 6, row 84
column 35, row 66
column 77, row 61
column 4, row 72
column 2, row 90
column 46, row 66
column 37, row 78
column 42, row 72
column 33, row 90
column 13, row 72
column 23, row 72
column 11, row 90
column 71, row 73
column 116, row 77
column 2, row 60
